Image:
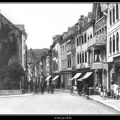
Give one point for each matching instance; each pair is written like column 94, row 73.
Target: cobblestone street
column 58, row 103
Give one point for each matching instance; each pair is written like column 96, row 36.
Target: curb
column 105, row 104
column 23, row 95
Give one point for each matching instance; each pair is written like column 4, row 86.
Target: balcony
column 96, row 65
column 99, row 40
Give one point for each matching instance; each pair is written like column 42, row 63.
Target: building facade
column 113, row 51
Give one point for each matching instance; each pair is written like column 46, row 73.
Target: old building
column 12, row 39
column 24, row 51
column 113, row 51
column 55, row 47
column 97, row 47
column 83, row 41
column 31, row 65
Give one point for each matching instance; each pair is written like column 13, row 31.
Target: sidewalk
column 115, row 104
column 25, row 94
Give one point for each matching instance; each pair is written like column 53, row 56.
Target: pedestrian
column 48, row 88
column 116, row 91
column 52, row 87
column 87, row 91
column 71, row 89
column 80, row 89
column 101, row 90
column 84, row 89
column 42, row 87
column 112, row 89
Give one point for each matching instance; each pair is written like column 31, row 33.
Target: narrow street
column 58, row 103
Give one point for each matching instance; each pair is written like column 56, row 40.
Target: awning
column 85, row 76
column 70, row 79
column 55, row 77
column 76, row 76
column 48, row 78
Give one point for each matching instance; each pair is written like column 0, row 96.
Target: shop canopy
column 48, row 78
column 85, row 76
column 55, row 77
column 76, row 76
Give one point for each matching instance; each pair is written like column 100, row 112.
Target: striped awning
column 76, row 76
column 48, row 78
column 85, row 76
column 55, row 77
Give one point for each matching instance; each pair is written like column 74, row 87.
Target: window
column 113, row 43
column 110, row 45
column 105, row 29
column 88, row 40
column 85, row 56
column 80, row 57
column 117, row 14
column 113, row 15
column 77, row 58
column 110, row 18
column 79, row 41
column 117, row 42
column 85, row 38
column 69, row 60
column 63, row 49
column 91, row 36
column 102, row 30
column 82, row 39
column 97, row 57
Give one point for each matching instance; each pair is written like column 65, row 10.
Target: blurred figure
column 52, row 87
column 48, row 87
column 87, row 91
column 42, row 87
column 71, row 89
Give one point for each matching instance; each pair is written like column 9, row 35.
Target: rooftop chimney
column 82, row 16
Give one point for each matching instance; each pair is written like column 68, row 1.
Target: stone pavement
column 115, row 104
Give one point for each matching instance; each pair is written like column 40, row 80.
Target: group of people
column 102, row 91
column 82, row 89
column 114, row 90
column 112, row 93
column 37, row 88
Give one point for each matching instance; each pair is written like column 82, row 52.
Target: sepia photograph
column 59, row 59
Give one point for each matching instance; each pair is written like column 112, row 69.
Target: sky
column 44, row 20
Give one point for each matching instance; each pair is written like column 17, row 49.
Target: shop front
column 117, row 69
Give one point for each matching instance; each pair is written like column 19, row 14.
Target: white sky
column 44, row 20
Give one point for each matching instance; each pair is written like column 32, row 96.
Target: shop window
column 117, row 12
column 113, row 43
column 117, row 42
column 97, row 57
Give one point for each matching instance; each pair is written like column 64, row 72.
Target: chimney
column 82, row 16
